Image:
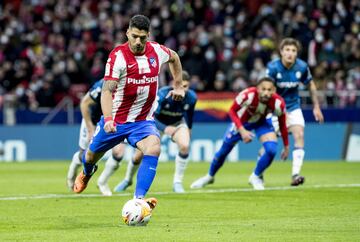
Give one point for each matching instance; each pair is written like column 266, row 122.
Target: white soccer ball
column 136, row 212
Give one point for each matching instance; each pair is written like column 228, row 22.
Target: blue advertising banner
column 59, row 142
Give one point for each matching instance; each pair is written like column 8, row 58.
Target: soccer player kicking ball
column 128, row 101
column 175, row 119
column 248, row 112
column 288, row 72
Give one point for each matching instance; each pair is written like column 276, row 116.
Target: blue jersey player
column 173, row 118
column 91, row 113
column 288, row 72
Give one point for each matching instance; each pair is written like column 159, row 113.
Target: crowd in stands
column 53, row 48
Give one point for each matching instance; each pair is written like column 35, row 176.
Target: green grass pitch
column 35, row 205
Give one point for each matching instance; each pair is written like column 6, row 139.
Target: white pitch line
column 203, row 191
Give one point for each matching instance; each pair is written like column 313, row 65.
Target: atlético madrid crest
column 153, row 62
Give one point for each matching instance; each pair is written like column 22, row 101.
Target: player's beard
column 264, row 99
column 139, row 49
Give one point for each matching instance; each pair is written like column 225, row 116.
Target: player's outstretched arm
column 106, row 105
column 314, row 97
column 176, row 71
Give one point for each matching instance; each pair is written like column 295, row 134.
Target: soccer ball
column 136, row 212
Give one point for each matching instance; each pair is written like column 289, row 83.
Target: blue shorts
column 232, row 135
column 132, row 132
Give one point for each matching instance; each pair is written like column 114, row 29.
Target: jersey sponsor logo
column 144, row 80
column 173, row 114
column 287, row 84
column 129, row 66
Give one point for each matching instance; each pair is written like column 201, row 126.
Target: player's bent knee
column 92, row 157
column 137, row 157
column 184, row 148
column 299, row 136
column 89, row 156
column 153, row 150
column 270, row 148
column 117, row 157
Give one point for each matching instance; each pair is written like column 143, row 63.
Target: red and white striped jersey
column 135, row 96
column 247, row 108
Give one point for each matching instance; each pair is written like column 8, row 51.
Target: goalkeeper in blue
column 248, row 113
column 175, row 119
column 289, row 72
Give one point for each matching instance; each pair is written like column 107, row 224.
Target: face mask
column 155, row 22
column 236, row 65
column 220, row 77
column 257, row 47
column 20, row 91
column 319, row 38
column 228, row 43
column 215, row 5
column 357, row 18
column 329, row 46
column 47, row 18
column 227, row 54
column 258, row 65
column 164, row 14
column 336, row 21
column 241, row 18
column 203, row 39
column 4, row 39
column 227, row 31
column 323, row 21
column 210, row 55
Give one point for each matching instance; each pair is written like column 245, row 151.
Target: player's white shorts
column 83, row 141
column 295, row 117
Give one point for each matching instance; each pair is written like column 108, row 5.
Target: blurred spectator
column 220, row 81
column 48, row 46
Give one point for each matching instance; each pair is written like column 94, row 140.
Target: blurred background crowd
column 50, row 49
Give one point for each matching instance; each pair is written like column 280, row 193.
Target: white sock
column 74, row 165
column 111, row 166
column 180, row 166
column 298, row 159
column 131, row 170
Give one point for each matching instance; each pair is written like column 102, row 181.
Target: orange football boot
column 82, row 180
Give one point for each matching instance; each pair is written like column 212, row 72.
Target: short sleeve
column 307, row 77
column 162, row 51
column 115, row 65
column 270, row 71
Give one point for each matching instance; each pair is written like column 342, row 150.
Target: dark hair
column 140, row 22
column 185, row 76
column 265, row 79
column 290, row 41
